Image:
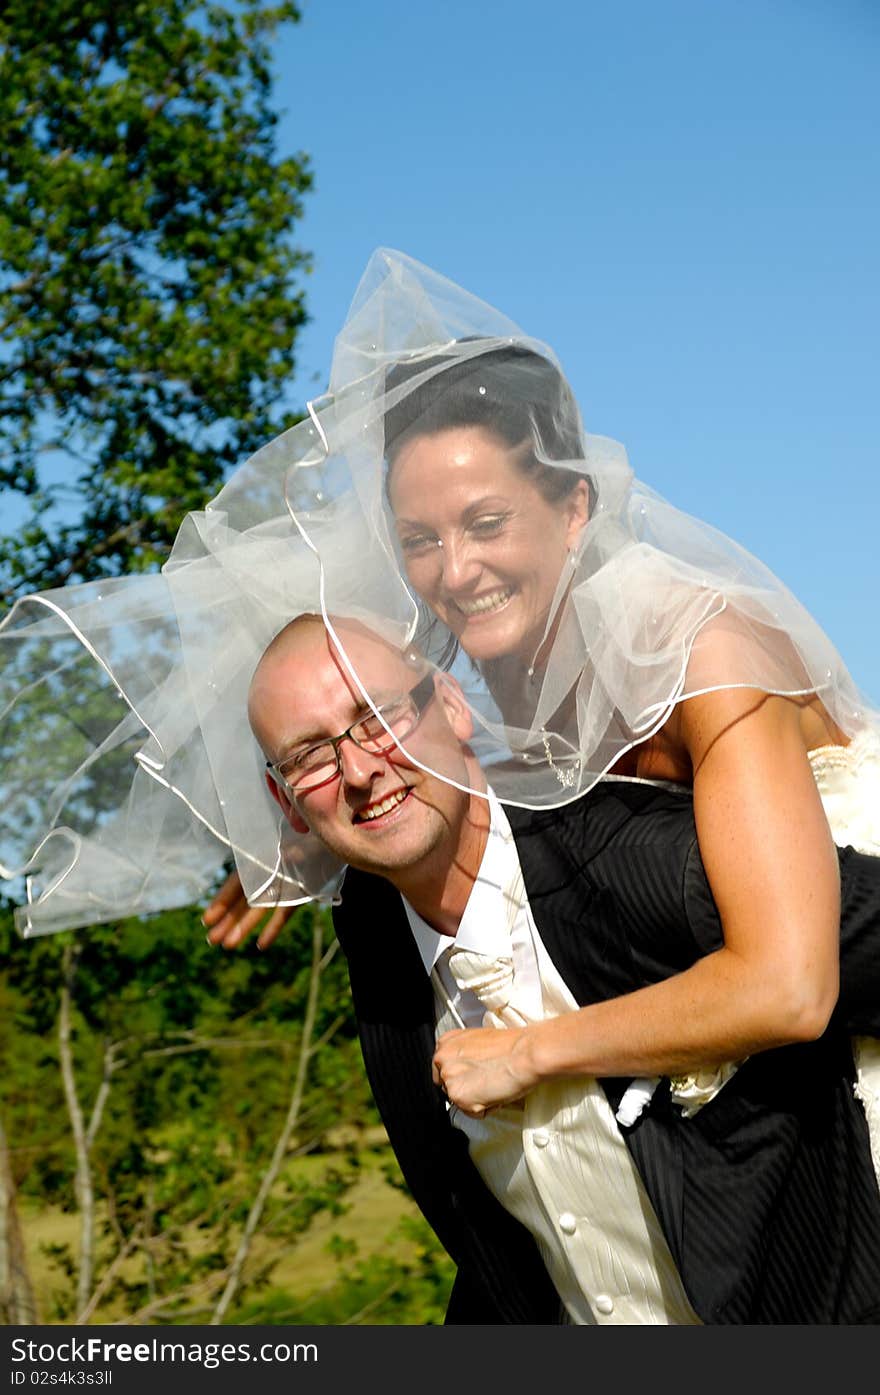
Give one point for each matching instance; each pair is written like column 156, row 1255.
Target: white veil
column 129, row 767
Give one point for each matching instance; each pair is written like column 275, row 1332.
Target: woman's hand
column 230, row 919
column 480, row 1068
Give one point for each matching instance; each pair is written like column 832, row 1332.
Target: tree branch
column 108, row 1276
column 271, row 1173
column 83, row 1183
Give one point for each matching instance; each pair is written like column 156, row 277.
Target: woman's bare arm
column 773, row 870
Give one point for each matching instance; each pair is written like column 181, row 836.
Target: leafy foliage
column 381, row 1290
column 203, row 1047
column 147, row 302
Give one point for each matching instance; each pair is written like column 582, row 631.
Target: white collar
column 483, row 927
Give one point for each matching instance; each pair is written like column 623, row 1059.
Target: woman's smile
column 488, row 604
column 482, row 545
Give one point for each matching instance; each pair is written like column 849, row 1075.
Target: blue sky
column 683, row 199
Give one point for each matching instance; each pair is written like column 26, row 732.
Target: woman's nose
column 460, row 565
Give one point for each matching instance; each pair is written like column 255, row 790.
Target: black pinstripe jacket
column 767, row 1196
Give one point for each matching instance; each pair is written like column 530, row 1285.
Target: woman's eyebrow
column 492, row 501
column 489, row 501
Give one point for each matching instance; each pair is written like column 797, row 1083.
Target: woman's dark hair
column 515, row 393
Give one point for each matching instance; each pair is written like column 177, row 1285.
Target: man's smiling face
column 381, row 812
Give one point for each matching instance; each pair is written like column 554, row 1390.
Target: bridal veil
column 129, row 769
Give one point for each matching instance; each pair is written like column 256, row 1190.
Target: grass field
column 305, row 1274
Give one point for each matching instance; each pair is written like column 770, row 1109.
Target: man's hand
column 480, row 1068
column 230, row 919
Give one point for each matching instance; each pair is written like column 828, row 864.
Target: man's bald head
column 289, row 659
column 287, row 642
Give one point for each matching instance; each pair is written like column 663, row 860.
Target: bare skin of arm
column 773, row 870
column 229, row 919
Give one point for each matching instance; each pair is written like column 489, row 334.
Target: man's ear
column 288, row 808
column 458, row 714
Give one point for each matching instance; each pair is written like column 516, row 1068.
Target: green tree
column 148, row 297
column 161, row 1092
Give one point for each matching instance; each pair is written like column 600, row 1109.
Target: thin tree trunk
column 319, row 963
column 108, row 1276
column 149, row 1261
column 17, row 1306
column 84, row 1190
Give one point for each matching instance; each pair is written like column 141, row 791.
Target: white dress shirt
column 557, row 1162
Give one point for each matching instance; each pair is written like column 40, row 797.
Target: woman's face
column 482, row 546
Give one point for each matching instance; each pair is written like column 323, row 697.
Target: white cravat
column 490, row 979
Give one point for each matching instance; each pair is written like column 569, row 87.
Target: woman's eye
column 418, row 542
column 489, row 524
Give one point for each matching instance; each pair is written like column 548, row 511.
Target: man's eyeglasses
column 311, row 766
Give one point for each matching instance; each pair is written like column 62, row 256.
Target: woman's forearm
column 721, row 1009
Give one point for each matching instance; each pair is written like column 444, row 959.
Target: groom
column 763, row 1208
